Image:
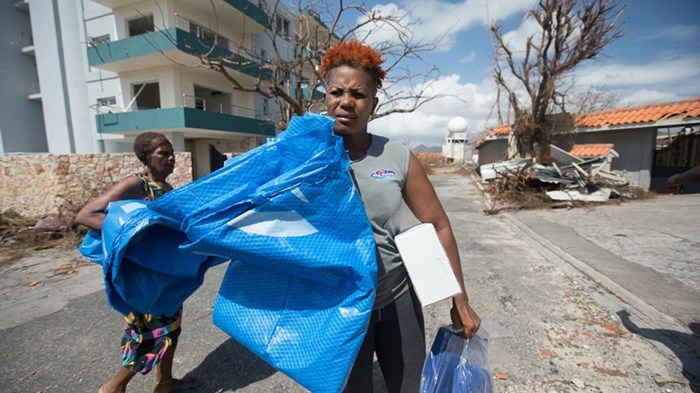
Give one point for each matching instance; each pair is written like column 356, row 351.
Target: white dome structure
column 457, row 124
column 455, row 148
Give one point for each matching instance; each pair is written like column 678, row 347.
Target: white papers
column 427, row 264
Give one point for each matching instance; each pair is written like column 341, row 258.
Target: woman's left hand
column 464, row 317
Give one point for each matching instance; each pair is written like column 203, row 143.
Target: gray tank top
column 380, row 176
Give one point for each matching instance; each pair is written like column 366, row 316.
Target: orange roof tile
column 503, row 129
column 647, row 113
column 591, row 149
column 640, row 113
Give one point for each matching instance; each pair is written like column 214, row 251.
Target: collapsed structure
column 615, row 152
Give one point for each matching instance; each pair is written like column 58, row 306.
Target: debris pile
column 567, row 182
column 19, row 234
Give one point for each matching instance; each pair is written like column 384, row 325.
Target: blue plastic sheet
column 456, row 365
column 299, row 289
column 143, row 268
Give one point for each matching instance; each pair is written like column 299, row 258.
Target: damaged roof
column 591, row 149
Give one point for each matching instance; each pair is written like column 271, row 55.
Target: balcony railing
column 205, row 33
column 217, row 107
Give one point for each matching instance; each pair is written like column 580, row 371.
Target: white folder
column 427, row 264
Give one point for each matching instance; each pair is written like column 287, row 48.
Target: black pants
column 397, row 334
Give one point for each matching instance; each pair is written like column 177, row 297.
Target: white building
column 45, row 108
column 91, row 75
column 455, row 148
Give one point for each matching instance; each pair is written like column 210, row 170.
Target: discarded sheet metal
column 493, row 170
column 569, row 177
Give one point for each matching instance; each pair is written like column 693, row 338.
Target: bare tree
column 534, row 80
column 288, row 74
column 591, row 99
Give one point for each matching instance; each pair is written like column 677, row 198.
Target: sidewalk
column 644, row 253
column 554, row 327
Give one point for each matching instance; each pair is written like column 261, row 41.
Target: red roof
column 647, row 113
column 503, row 129
column 591, row 149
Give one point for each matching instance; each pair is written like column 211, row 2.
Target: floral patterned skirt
column 146, row 338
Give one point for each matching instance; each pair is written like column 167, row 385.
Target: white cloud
column 666, row 71
column 652, row 82
column 645, row 95
column 428, row 124
column 441, row 20
column 468, row 58
column 673, row 32
column 674, row 77
column 515, row 39
column 655, row 81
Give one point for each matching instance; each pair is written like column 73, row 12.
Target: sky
column 657, row 60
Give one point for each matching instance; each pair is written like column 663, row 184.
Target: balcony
column 245, row 7
column 174, row 45
column 197, row 118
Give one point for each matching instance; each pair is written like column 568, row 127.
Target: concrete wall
column 57, row 28
column 492, row 151
column 21, row 119
column 36, row 185
column 636, row 148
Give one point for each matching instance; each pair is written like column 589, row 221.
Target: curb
column 649, row 316
column 646, row 313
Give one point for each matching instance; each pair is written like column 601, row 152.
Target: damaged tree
column 533, row 79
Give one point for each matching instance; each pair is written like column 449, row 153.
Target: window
column 282, row 26
column 147, row 96
column 106, row 104
column 204, row 33
column 266, row 107
column 141, row 25
column 107, row 101
column 94, row 41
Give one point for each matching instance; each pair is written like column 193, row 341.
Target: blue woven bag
column 300, row 286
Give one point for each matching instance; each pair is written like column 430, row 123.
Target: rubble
column 21, row 235
column 568, row 181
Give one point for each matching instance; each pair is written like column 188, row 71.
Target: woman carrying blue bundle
column 149, row 340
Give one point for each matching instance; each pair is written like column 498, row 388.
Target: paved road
column 650, row 248
column 552, row 328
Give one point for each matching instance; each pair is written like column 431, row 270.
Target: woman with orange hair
column 387, row 173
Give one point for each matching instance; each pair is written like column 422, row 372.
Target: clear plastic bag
column 455, row 364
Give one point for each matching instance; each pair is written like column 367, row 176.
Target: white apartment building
column 88, row 76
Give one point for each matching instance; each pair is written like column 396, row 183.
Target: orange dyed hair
column 355, row 55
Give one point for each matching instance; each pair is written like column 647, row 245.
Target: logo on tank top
column 383, row 174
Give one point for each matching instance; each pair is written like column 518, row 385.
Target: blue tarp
column 299, row 289
column 143, row 268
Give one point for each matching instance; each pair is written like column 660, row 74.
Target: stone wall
column 36, row 185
